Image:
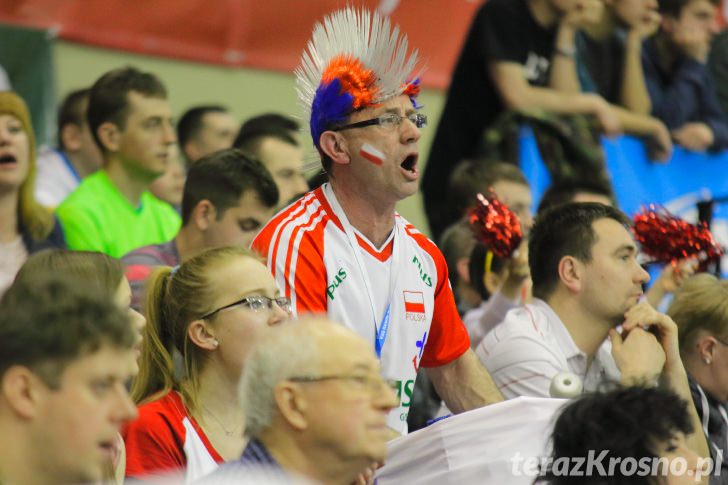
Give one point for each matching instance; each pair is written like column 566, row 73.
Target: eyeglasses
column 256, row 303
column 388, row 121
column 369, row 383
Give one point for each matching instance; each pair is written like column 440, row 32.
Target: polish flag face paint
column 372, row 154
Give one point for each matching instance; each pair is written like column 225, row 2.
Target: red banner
column 257, row 34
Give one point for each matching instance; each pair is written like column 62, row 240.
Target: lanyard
column 381, row 329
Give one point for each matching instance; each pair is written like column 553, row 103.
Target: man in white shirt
column 342, row 249
column 586, row 283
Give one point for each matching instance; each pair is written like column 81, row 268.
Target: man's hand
column 367, row 476
column 694, row 136
column 518, row 272
column 660, row 142
column 638, row 356
column 662, row 326
column 670, row 279
column 584, row 13
column 647, row 25
column 606, row 115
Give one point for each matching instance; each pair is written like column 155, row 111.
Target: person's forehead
column 401, row 104
column 249, row 204
column 509, row 189
column 107, row 360
column 611, row 234
column 699, row 6
column 219, row 119
column 147, row 106
column 348, row 353
column 276, row 152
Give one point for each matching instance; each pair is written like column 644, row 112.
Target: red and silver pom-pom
column 495, row 226
column 666, row 238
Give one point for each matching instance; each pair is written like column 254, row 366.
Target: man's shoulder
column 164, row 254
column 304, row 218
column 91, row 195
column 530, row 323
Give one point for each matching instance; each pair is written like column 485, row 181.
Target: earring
column 707, row 360
column 216, row 343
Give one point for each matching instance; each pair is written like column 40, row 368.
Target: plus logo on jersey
column 414, row 306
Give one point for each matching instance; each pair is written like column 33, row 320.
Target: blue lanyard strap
column 381, row 332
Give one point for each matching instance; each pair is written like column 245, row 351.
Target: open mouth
column 410, row 164
column 7, row 159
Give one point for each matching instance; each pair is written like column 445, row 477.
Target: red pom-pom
column 667, row 238
column 495, row 226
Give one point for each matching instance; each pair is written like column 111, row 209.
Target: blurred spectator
column 205, row 129
column 170, row 186
column 104, row 273
column 457, row 243
column 65, row 359
column 681, row 89
column 274, row 140
column 112, row 210
column 609, row 63
column 61, row 170
column 513, row 59
column 5, row 84
column 210, row 310
column 321, row 412
column 623, row 425
column 718, row 64
column 576, row 191
column 700, row 310
column 227, row 199
column 25, row 226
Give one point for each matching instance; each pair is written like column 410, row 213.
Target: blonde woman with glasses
column 210, row 311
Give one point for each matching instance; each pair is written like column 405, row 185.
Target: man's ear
column 110, row 136
column 571, row 273
column 203, row 214
column 335, row 146
column 23, row 389
column 292, row 404
column 191, row 151
column 71, row 136
column 201, row 335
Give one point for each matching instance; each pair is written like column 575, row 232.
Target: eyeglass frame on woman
column 283, row 302
column 419, row 120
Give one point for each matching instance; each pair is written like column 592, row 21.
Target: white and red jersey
column 166, row 438
column 309, row 248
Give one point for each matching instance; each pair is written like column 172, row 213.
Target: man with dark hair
column 586, row 283
column 60, row 171
column 205, row 129
column 575, row 191
column 273, row 139
column 634, row 423
column 66, row 356
column 227, row 198
column 112, row 211
column 678, row 79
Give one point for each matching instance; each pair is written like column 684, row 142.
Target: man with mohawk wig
column 342, row 249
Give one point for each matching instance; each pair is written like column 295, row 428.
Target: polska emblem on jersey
column 414, row 306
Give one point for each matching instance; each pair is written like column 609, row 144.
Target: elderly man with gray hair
column 315, row 404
